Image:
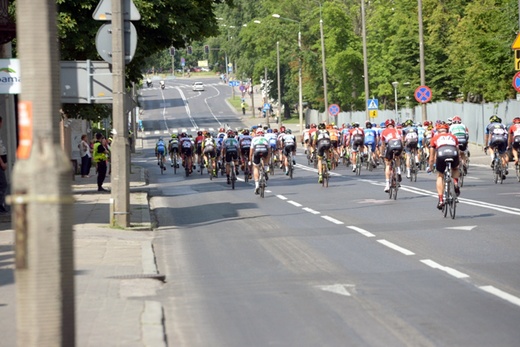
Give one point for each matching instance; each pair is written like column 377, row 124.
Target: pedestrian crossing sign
column 372, row 104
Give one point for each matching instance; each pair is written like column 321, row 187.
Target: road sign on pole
column 373, row 113
column 372, row 104
column 103, row 11
column 516, row 82
column 423, row 94
column 334, row 110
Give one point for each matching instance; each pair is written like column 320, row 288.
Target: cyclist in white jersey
column 461, row 133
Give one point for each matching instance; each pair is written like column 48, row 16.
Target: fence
column 474, row 116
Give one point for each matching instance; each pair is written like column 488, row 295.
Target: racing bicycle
column 449, row 196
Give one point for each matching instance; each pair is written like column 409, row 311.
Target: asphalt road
column 337, row 266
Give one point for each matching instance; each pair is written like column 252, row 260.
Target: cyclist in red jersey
column 514, row 138
column 391, row 141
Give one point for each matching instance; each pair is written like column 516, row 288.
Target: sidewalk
column 115, row 270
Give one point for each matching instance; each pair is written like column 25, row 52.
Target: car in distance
column 198, row 87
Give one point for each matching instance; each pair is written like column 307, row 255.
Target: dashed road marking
column 361, row 231
column 448, row 270
column 395, row 247
column 311, row 210
column 333, row 220
column 501, row 294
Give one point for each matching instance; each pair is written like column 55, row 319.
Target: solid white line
column 308, row 209
column 281, row 197
column 361, row 231
column 501, row 294
column 450, row 271
column 294, row 203
column 333, row 220
column 395, row 247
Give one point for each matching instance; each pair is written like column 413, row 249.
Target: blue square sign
column 372, row 104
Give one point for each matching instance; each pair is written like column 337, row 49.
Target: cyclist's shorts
column 245, row 151
column 443, row 153
column 516, row 142
column 210, row 152
column 186, row 151
column 334, row 143
column 372, row 145
column 499, row 142
column 161, row 151
column 199, row 149
column 289, row 149
column 231, row 155
column 259, row 153
column 409, row 146
column 393, row 146
column 323, row 145
column 463, row 143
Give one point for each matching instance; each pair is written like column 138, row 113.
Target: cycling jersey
column 446, row 146
column 498, row 136
column 160, row 147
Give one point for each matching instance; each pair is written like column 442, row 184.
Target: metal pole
column 421, row 57
column 120, row 151
column 266, row 98
column 395, row 84
column 325, row 100
column 42, row 196
column 365, row 58
column 279, row 87
column 300, row 84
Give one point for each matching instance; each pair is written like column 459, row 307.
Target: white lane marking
column 281, row 197
column 337, row 288
column 501, row 294
column 294, row 203
column 449, row 270
column 466, row 228
column 310, row 210
column 333, row 220
column 187, row 108
column 395, row 247
column 209, row 108
column 361, row 231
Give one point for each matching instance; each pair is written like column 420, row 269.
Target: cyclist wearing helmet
column 173, row 149
column 514, row 138
column 443, row 146
column 356, row 141
column 230, row 152
column 371, row 139
column 187, row 150
column 411, row 142
column 271, row 137
column 461, row 133
column 259, row 155
column 321, row 143
column 310, row 146
column 244, row 143
column 160, row 152
column 209, row 151
column 306, row 137
column 391, row 142
column 496, row 137
column 198, row 146
column 334, row 141
column 289, row 146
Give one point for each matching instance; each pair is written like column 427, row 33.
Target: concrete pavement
column 116, row 272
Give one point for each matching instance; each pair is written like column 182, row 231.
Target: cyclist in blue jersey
column 371, row 139
column 160, row 152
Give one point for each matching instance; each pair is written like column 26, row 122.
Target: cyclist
column 334, row 140
column 371, row 139
column 289, row 146
column 173, row 148
column 321, row 143
column 271, row 137
column 230, row 152
column 461, row 133
column 198, row 146
column 244, row 143
column 443, row 146
column 356, row 140
column 306, row 137
column 310, row 148
column 186, row 151
column 259, row 149
column 514, row 138
column 160, row 152
column 391, row 141
column 220, row 138
column 496, row 137
column 411, row 141
column 209, row 151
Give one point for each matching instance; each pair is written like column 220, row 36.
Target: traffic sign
column 267, row 106
column 334, row 110
column 516, row 43
column 516, row 82
column 372, row 104
column 103, row 11
column 104, row 42
column 423, row 94
column 234, row 83
column 517, row 60
column 372, row 113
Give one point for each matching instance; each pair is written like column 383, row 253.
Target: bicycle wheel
column 201, row 166
column 162, row 168
column 452, row 203
column 447, row 198
column 326, row 179
column 175, row 165
column 262, row 183
column 517, row 167
column 210, row 170
column 461, row 175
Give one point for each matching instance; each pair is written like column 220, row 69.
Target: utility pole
column 421, row 58
column 365, row 58
column 279, row 87
column 42, row 197
column 120, row 149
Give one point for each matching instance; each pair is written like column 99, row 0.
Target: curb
column 152, row 325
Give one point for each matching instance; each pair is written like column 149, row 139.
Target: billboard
column 10, row 80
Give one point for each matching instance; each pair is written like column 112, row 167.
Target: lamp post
column 279, row 87
column 395, row 84
column 324, row 68
column 300, row 84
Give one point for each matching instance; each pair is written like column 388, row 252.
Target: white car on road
column 198, row 87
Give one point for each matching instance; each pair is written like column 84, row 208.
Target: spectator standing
column 3, row 178
column 86, row 156
column 243, row 105
column 100, row 158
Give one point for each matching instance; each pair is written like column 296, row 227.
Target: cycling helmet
column 245, row 132
column 495, row 119
column 268, row 131
column 230, row 133
column 408, row 123
column 307, row 126
column 199, row 133
column 389, row 122
column 160, row 139
column 456, row 119
column 282, row 129
column 427, row 123
column 368, row 125
column 174, row 136
column 288, row 131
column 355, row 124
column 449, row 121
column 207, row 134
column 438, row 121
column 321, row 126
column 183, row 135
column 516, row 120
column 313, row 125
column 442, row 125
column 221, row 130
column 260, row 132
column 382, row 124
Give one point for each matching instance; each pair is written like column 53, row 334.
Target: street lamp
column 279, row 87
column 324, row 68
column 300, row 84
column 395, row 84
